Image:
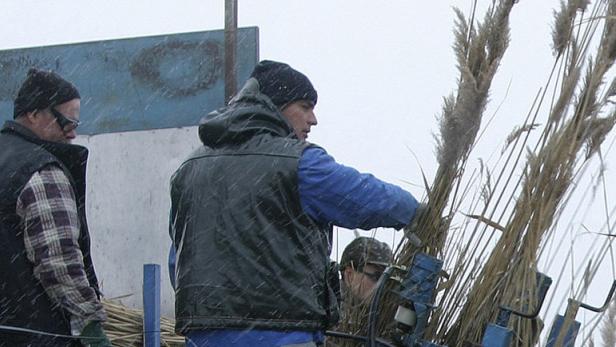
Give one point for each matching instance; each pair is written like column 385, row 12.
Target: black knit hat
column 43, row 89
column 283, row 84
column 364, row 250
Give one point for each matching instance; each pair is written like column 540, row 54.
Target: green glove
column 93, row 335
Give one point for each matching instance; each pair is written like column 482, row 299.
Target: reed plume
column 478, row 53
column 508, row 276
column 478, row 50
column 492, row 256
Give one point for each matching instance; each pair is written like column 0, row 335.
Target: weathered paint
column 143, row 83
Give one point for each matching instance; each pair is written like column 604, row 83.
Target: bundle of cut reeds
column 569, row 140
column 124, row 327
column 478, row 51
column 492, row 258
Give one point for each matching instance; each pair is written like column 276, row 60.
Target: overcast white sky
column 381, row 67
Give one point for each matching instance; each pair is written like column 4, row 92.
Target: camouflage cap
column 364, row 250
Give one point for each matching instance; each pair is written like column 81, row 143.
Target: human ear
column 349, row 274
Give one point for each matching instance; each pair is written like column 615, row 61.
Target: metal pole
column 230, row 48
column 151, row 305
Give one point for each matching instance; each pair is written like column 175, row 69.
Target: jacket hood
column 249, row 113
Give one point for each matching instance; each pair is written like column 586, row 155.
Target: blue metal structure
column 151, row 305
column 568, row 339
column 417, row 290
column 498, row 334
column 140, row 83
column 565, row 328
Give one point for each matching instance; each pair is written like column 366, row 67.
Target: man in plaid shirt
column 48, row 284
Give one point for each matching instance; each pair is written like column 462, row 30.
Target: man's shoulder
column 53, row 174
column 314, row 154
column 20, row 158
column 15, row 145
column 314, row 148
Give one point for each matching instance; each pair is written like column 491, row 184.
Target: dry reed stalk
column 124, row 327
column 608, row 330
column 509, row 275
column 353, row 320
column 468, row 261
column 478, row 52
column 468, row 250
column 563, row 24
column 516, row 133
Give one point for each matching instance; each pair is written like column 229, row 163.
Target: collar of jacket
column 73, row 157
column 248, row 114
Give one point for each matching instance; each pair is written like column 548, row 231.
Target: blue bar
column 497, row 336
column 557, row 329
column 431, row 344
column 141, row 83
column 151, row 305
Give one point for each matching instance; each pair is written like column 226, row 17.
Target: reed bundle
column 478, row 51
column 569, row 140
column 124, row 327
column 492, row 257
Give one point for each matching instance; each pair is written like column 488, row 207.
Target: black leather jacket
column 247, row 254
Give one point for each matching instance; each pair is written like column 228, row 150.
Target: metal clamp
column 544, row 282
column 605, row 304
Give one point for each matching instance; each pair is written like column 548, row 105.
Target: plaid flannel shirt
column 48, row 209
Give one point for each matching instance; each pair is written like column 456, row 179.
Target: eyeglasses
column 373, row 276
column 65, row 123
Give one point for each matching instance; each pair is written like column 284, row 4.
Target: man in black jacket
column 48, row 284
column 251, row 219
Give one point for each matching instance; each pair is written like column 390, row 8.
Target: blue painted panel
column 140, row 83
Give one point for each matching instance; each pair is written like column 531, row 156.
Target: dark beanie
column 43, row 89
column 283, row 84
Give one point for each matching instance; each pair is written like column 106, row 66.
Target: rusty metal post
column 230, row 48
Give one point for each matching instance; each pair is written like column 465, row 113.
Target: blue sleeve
column 171, row 256
column 340, row 195
column 171, row 264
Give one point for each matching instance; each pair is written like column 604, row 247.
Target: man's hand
column 410, row 231
column 421, row 209
column 93, row 335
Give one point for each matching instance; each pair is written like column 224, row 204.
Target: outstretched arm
column 338, row 194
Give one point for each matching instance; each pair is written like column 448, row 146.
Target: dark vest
column 247, row 254
column 23, row 301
